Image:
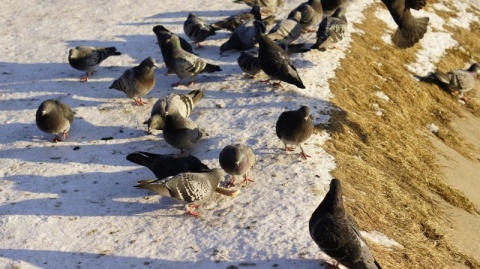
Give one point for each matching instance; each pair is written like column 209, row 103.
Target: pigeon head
column 259, row 26
column 297, row 16
column 191, row 15
column 149, row 62
column 218, row 175
column 155, row 122
column 160, row 29
column 46, row 107
column 256, row 12
column 474, row 68
column 304, row 111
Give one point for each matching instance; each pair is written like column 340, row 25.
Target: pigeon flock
column 183, row 177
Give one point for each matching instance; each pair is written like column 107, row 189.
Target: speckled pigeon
column 276, row 63
column 86, row 58
column 332, row 29
column 294, row 127
column 237, row 159
column 459, row 81
column 54, row 117
column 181, row 103
column 197, row 29
column 286, row 31
column 138, row 81
column 243, row 38
column 337, row 234
column 410, row 29
column 312, row 13
column 184, row 64
column 180, row 132
column 190, row 188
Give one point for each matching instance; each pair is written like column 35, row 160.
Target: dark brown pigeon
column 295, row 127
column 337, row 234
column 54, row 117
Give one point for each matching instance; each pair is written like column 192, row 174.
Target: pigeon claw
column 140, row 102
column 246, row 180
column 231, row 182
column 304, row 155
column 287, row 148
column 190, row 212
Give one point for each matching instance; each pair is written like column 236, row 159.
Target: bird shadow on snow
column 66, row 259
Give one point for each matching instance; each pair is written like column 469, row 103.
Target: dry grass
column 386, row 162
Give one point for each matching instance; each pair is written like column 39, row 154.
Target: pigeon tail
column 409, row 35
column 159, row 188
column 210, row 68
column 442, row 77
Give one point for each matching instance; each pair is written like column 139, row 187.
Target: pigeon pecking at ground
column 163, row 165
column 232, row 22
column 294, row 127
column 192, row 189
column 181, row 103
column 410, row 29
column 86, row 58
column 138, row 81
column 243, row 38
column 286, row 31
column 458, row 81
column 248, row 62
column 184, row 64
column 276, row 63
column 332, row 29
column 337, row 234
column 54, row 117
column 197, row 29
column 312, row 13
column 237, row 159
column 180, row 132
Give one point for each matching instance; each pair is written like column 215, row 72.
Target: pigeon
column 459, row 81
column 276, row 63
column 163, row 34
column 184, row 64
column 248, row 62
column 269, row 5
column 295, row 127
column 337, row 234
column 312, row 13
column 332, row 29
column 180, row 132
column 167, row 165
column 287, row 31
column 237, row 159
column 138, row 81
column 54, row 117
column 181, row 103
column 197, row 29
column 330, row 6
column 232, row 22
column 190, row 188
column 243, row 38
column 86, row 58
column 410, row 29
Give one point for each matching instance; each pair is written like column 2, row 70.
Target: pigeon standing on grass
column 248, row 62
column 276, row 63
column 192, row 189
column 312, row 13
column 287, row 31
column 243, row 38
column 459, row 81
column 54, row 117
column 184, row 64
column 410, row 29
column 181, row 103
column 138, row 81
column 337, row 234
column 86, row 58
column 167, row 165
column 237, row 159
column 180, row 132
column 295, row 127
column 332, row 29
column 197, row 29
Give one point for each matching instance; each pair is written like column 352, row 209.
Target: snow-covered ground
column 71, row 204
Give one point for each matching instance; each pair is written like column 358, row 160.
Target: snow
column 71, row 204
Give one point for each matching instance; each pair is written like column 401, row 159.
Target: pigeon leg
column 303, row 154
column 56, row 139
column 309, row 31
column 246, row 179
column 287, row 148
column 231, row 182
column 85, row 78
column 190, row 83
column 139, row 102
column 190, row 212
column 277, row 84
column 64, row 135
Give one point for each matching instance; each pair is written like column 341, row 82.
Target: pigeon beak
column 44, row 112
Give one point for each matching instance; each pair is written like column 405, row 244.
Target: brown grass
column 386, row 162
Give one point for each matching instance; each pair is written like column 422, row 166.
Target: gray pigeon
column 54, row 117
column 138, row 81
column 331, row 30
column 86, row 58
column 184, row 64
column 243, row 38
column 288, row 30
column 237, row 159
column 330, row 6
column 248, row 62
column 192, row 189
column 180, row 132
column 459, row 81
column 197, row 29
column 337, row 234
column 231, row 23
column 269, row 5
column 167, row 165
column 410, row 29
column 181, row 103
column 276, row 63
column 295, row 127
column 163, row 36
column 312, row 13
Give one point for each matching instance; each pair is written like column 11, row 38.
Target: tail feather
column 409, row 36
column 196, row 95
column 210, row 68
